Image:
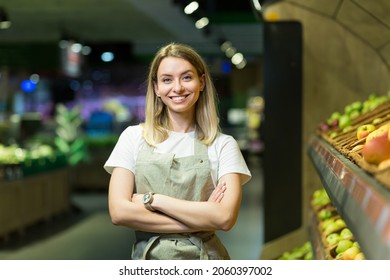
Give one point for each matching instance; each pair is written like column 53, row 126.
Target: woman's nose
column 178, row 86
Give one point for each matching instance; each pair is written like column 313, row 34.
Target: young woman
column 176, row 179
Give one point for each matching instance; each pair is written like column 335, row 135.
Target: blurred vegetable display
column 69, row 137
column 17, row 161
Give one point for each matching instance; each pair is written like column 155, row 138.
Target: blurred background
column 72, row 77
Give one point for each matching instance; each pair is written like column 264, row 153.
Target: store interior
column 72, row 78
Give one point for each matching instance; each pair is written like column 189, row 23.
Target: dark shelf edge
column 361, row 201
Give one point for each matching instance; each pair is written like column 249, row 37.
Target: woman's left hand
column 218, row 192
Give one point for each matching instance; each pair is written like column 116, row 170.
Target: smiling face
column 178, row 85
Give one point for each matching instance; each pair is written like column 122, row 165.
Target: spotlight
column 201, row 23
column 192, row 7
column 4, row 20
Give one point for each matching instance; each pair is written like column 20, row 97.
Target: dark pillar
column 282, row 131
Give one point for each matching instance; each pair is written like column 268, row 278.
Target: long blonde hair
column 155, row 128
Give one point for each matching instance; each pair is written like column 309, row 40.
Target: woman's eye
column 187, row 78
column 166, row 80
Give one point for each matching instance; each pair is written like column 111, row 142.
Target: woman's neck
column 182, row 125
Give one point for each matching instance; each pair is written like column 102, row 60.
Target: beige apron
column 186, row 178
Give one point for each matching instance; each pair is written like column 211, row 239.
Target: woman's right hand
column 218, row 192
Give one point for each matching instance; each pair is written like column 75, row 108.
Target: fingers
column 218, row 192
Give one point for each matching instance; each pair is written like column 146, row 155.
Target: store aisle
column 244, row 241
column 87, row 232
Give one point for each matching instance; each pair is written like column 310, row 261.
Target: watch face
column 146, row 198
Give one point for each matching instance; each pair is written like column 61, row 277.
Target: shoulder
column 230, row 158
column 224, row 144
column 224, row 140
column 131, row 136
column 134, row 130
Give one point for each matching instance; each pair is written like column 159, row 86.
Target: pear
column 346, row 233
column 343, row 245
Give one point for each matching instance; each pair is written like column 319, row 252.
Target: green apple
column 377, row 121
column 318, row 193
column 333, row 134
column 332, row 227
column 360, row 256
column 339, row 256
column 363, row 130
column 334, row 116
column 357, row 105
column 308, row 256
column 325, row 214
column 354, row 114
column 356, row 244
column 343, row 245
column 350, row 253
column 326, row 223
column 340, row 223
column 333, row 238
column 348, row 109
column 320, row 198
column 346, row 233
column 344, row 121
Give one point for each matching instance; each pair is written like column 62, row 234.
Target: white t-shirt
column 224, row 154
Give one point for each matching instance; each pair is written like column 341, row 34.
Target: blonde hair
column 155, row 127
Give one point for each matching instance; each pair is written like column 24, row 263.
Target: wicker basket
column 349, row 146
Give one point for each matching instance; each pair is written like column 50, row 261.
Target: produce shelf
column 315, row 238
column 362, row 202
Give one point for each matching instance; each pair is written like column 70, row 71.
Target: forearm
column 129, row 214
column 205, row 215
column 126, row 212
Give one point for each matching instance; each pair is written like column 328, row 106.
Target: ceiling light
column 204, row 21
column 107, row 56
column 76, row 47
column 225, row 45
column 241, row 65
column 230, row 51
column 257, row 5
column 86, row 50
column 4, row 20
column 190, row 8
column 237, row 58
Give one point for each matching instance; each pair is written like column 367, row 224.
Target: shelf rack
column 362, row 202
column 315, row 238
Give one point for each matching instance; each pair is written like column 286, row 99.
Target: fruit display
column 17, row 162
column 337, row 239
column 303, row 252
column 362, row 134
column 36, row 155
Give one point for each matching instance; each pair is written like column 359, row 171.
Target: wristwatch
column 148, row 199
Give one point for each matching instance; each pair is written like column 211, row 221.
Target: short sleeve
column 125, row 151
column 230, row 159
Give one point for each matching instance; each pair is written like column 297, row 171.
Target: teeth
column 178, row 98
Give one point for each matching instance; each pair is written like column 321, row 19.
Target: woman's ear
column 202, row 82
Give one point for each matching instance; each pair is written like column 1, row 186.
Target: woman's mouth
column 178, row 98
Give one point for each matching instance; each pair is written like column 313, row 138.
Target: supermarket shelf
column 362, row 202
column 315, row 238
